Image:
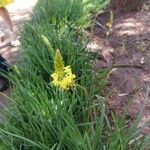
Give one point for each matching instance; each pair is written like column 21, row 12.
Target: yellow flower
column 58, row 62
column 63, row 76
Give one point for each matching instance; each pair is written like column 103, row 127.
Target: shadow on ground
column 128, row 43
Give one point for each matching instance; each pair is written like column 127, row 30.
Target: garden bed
column 127, row 44
column 46, row 111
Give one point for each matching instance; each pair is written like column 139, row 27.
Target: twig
column 127, row 66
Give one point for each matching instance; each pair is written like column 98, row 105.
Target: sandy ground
column 19, row 11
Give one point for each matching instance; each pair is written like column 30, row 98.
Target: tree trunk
column 127, row 5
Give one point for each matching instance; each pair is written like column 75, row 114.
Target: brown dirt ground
column 128, row 43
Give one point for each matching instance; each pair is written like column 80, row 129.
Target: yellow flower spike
column 58, row 62
column 63, row 76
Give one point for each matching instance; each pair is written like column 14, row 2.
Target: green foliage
column 41, row 117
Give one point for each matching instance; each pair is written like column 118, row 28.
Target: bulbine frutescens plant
column 63, row 77
column 47, row 112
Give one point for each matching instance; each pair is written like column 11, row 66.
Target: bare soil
column 127, row 44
